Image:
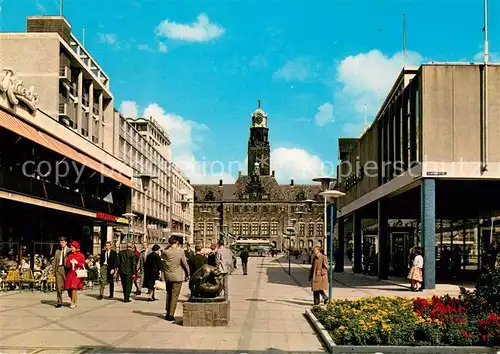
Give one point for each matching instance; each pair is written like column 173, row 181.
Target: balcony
column 85, row 101
column 73, row 92
column 65, row 74
column 95, row 110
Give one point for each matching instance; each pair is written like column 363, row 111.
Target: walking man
column 244, row 255
column 224, row 261
column 176, row 271
column 108, row 266
column 318, row 276
column 126, row 266
column 60, row 268
column 142, row 259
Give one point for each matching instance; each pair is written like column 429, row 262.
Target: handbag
column 160, row 285
column 82, row 273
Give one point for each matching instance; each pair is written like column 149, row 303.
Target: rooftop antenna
column 366, row 115
column 61, row 7
column 258, row 103
column 486, row 49
column 83, row 36
column 404, row 40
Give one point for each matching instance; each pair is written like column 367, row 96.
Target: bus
column 255, row 247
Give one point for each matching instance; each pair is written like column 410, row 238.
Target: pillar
column 428, row 221
column 103, row 235
column 358, row 242
column 383, row 241
column 339, row 255
column 79, row 109
column 90, row 128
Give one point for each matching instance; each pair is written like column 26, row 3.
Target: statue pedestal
column 206, row 314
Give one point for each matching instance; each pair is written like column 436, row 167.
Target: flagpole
column 61, row 7
column 404, row 40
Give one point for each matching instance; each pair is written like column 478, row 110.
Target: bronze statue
column 206, row 284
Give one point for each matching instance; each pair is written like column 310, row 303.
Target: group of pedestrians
column 151, row 269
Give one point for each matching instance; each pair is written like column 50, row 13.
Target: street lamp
column 129, row 217
column 145, row 180
column 331, row 195
column 184, row 204
column 290, row 231
column 325, row 185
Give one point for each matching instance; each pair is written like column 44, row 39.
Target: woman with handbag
column 319, row 276
column 152, row 269
column 75, row 264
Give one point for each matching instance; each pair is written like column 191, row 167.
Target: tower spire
column 258, row 103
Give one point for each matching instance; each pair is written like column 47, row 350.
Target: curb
column 321, row 331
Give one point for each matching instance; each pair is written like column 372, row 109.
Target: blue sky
column 200, row 66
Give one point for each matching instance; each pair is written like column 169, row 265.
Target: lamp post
column 325, row 185
column 129, row 217
column 289, row 232
column 331, row 195
column 184, row 204
column 145, row 181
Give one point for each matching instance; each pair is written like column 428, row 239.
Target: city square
column 202, row 185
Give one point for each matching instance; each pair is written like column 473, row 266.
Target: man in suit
column 126, row 266
column 108, row 265
column 244, row 255
column 176, row 270
column 224, row 261
column 140, row 266
column 60, row 268
column 188, row 252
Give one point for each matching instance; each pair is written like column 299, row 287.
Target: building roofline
column 49, row 18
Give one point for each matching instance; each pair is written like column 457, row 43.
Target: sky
column 321, row 68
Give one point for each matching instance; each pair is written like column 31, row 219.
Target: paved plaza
column 267, row 309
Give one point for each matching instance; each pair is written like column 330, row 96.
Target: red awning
column 27, row 131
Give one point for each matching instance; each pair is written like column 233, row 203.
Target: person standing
column 176, row 271
column 318, row 276
column 140, row 265
column 211, row 256
column 416, row 274
column 75, row 261
column 244, row 255
column 135, row 278
column 126, row 266
column 188, row 252
column 224, row 261
column 152, row 269
column 197, row 261
column 107, row 261
column 59, row 269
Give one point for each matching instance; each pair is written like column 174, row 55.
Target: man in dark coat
column 197, row 261
column 108, row 265
column 188, row 252
column 211, row 256
column 244, row 255
column 126, row 266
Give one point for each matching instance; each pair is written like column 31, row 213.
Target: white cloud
column 108, row 38
column 324, row 114
column 162, row 47
column 145, row 48
column 296, row 70
column 493, row 57
column 129, row 109
column 365, row 79
column 299, row 164
column 199, row 31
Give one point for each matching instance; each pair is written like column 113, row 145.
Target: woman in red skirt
column 135, row 276
column 74, row 262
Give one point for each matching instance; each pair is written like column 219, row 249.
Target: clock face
column 258, row 120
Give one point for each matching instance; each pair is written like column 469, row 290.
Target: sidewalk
column 267, row 310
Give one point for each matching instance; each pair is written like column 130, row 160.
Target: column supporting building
column 383, row 241
column 358, row 242
column 428, row 221
column 339, row 255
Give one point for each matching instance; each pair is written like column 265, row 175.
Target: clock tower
column 259, row 151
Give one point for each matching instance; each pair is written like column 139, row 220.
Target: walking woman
column 75, row 261
column 152, row 269
column 319, row 276
column 137, row 272
column 416, row 274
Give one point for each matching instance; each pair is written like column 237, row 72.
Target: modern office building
column 182, row 206
column 426, row 173
column 145, row 146
column 256, row 209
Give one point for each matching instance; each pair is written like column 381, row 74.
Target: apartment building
column 145, row 146
column 75, row 88
column 182, row 205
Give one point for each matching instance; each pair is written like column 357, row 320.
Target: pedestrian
column 126, row 266
column 416, row 274
column 319, row 276
column 74, row 262
column 152, row 270
column 176, row 271
column 140, row 265
column 224, row 261
column 137, row 273
column 188, row 252
column 197, row 261
column 211, row 256
column 107, row 262
column 244, row 255
column 60, row 270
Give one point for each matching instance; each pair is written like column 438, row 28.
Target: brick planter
column 210, row 314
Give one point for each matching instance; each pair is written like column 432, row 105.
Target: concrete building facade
column 427, row 172
column 182, row 205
